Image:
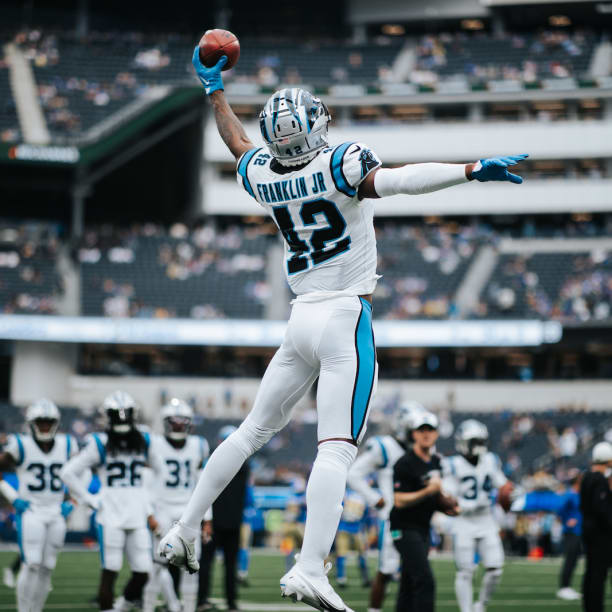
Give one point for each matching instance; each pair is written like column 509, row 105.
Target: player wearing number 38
column 41, row 504
column 321, row 198
column 120, row 455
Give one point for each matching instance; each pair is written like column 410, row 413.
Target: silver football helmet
column 43, row 411
column 177, row 417
column 471, row 438
column 403, row 419
column 120, row 410
column 293, row 124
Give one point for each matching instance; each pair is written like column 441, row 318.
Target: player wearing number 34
column 41, row 504
column 120, row 455
column 320, row 195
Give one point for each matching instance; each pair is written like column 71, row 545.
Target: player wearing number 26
column 120, row 455
column 321, row 197
column 40, row 505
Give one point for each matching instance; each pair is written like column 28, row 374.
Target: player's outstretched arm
column 228, row 124
column 415, row 179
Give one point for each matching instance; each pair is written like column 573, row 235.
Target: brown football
column 447, row 504
column 504, row 496
column 216, row 43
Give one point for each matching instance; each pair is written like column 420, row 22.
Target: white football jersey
column 379, row 456
column 330, row 244
column 124, row 502
column 473, row 485
column 38, row 472
column 179, row 469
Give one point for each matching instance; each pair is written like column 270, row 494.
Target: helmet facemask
column 177, row 428
column 120, row 420
column 44, row 429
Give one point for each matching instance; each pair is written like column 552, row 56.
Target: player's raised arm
column 228, row 124
column 415, row 179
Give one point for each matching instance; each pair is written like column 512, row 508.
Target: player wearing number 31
column 321, row 198
column 40, row 503
column 120, row 455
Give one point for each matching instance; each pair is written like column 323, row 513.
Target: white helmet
column 422, row 418
column 43, row 410
column 471, row 438
column 177, row 417
column 120, row 410
column 602, row 453
column 293, row 124
column 402, row 421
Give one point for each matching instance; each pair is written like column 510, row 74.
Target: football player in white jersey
column 472, row 476
column 119, row 455
column 320, row 197
column 182, row 456
column 378, row 458
column 40, row 503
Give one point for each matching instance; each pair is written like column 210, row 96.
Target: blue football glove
column 496, row 169
column 209, row 77
column 67, row 508
column 21, row 505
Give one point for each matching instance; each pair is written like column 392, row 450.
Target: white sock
column 189, row 591
column 324, row 494
column 151, row 590
column 464, row 590
column 374, row 610
column 167, row 589
column 490, row 580
column 26, row 580
column 222, row 466
column 42, row 588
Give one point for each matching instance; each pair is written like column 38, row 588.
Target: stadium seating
column 162, row 276
column 9, row 125
column 563, row 286
column 509, row 56
column 29, row 281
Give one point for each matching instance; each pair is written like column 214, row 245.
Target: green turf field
column 527, row 585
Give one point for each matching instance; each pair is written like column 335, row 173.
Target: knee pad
column 336, row 454
column 249, row 437
column 464, row 574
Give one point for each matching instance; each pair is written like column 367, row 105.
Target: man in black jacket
column 417, row 485
column 224, row 533
column 596, row 507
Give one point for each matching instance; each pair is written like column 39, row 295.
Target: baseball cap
column 602, row 452
column 424, row 418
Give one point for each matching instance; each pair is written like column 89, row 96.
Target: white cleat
column 179, row 549
column 478, row 607
column 568, row 594
column 8, row 578
column 314, row 591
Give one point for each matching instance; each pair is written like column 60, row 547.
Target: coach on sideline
column 596, row 507
column 417, row 486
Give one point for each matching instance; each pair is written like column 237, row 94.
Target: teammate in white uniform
column 40, row 503
column 120, row 454
column 378, row 458
column 319, row 196
column 181, row 456
column 472, row 476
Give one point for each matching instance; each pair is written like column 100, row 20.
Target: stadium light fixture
column 472, row 24
column 393, row 29
column 559, row 21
